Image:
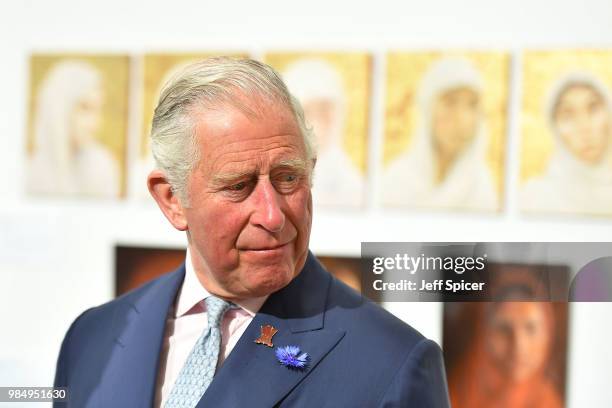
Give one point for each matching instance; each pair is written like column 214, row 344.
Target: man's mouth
column 268, row 248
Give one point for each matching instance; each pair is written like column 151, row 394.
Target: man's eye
column 238, row 186
column 288, row 178
column 286, row 183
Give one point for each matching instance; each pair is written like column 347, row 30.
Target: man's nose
column 268, row 212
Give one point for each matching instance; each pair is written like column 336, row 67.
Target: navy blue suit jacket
column 361, row 355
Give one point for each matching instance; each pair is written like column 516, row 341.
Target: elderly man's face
column 250, row 207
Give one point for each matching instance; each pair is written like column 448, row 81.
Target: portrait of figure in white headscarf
column 67, row 157
column 320, row 89
column 445, row 164
column 578, row 178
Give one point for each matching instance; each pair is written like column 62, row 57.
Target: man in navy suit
column 234, row 168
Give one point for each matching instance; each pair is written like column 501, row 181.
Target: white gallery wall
column 56, row 255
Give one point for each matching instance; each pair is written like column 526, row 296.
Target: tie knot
column 215, row 309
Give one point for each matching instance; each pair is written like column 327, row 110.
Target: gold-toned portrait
column 156, row 70
column 334, row 90
column 77, row 125
column 445, row 126
column 566, row 127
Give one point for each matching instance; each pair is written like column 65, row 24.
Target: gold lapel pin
column 267, row 332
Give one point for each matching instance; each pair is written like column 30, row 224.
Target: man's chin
column 270, row 284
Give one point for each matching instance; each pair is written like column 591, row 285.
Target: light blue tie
column 199, row 369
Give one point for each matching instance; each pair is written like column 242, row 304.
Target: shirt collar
column 193, row 292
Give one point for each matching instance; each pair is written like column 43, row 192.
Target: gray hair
column 209, row 83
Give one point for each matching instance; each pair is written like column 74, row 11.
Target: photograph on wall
column 77, row 125
column 334, row 90
column 445, row 130
column 511, row 352
column 156, row 70
column 135, row 265
column 566, row 151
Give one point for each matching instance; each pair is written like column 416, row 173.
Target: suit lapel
column 138, row 332
column 251, row 375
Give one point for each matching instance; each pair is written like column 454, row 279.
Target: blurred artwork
column 566, row 152
column 157, row 69
column 135, row 266
column 77, row 125
column 511, row 353
column 445, row 121
column 334, row 90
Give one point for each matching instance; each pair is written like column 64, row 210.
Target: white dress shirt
column 185, row 323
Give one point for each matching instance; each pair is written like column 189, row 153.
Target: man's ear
column 166, row 199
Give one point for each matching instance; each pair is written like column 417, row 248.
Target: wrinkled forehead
column 244, row 121
column 229, row 136
column 254, row 160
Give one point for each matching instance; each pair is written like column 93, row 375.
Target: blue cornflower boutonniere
column 292, row 357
